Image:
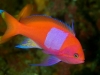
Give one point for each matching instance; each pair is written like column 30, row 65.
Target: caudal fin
column 12, row 26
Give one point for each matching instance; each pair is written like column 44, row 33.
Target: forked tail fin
column 12, row 26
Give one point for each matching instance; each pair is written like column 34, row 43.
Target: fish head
column 72, row 55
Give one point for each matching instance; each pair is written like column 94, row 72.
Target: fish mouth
column 82, row 61
column 79, row 62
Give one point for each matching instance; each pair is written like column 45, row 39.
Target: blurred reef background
column 86, row 15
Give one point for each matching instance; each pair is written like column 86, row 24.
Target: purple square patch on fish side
column 55, row 38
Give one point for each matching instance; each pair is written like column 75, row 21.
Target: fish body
column 41, row 26
column 53, row 36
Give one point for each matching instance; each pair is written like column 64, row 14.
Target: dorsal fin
column 46, row 18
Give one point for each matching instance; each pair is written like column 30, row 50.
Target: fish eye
column 76, row 55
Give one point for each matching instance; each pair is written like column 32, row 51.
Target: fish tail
column 12, row 26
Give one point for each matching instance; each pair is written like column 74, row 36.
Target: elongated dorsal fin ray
column 73, row 30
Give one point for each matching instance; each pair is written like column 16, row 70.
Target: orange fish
column 54, row 37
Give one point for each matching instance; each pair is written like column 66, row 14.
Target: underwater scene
column 49, row 37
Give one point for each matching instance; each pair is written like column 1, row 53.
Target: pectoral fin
column 51, row 60
column 28, row 43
